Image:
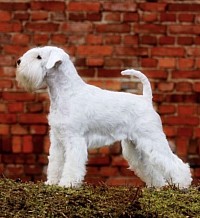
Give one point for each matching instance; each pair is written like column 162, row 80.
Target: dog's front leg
column 56, row 161
column 75, row 160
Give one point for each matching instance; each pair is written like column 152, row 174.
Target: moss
column 37, row 200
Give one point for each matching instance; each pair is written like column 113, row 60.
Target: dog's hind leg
column 142, row 166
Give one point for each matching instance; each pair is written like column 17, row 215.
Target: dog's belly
column 96, row 140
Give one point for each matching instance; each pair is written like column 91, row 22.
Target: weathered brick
column 184, row 29
column 4, row 129
column 27, row 144
column 130, row 17
column 185, row 40
column 185, row 74
column 149, row 62
column 19, row 130
column 10, row 27
column 184, row 7
column 113, row 28
column 147, row 39
column 5, row 16
column 21, row 39
column 39, row 15
column 109, row 16
column 8, row 118
column 184, row 86
column 119, row 6
column 185, row 63
column 181, row 120
column 167, row 17
column 94, row 62
column 151, row 6
column 48, row 6
column 42, row 27
column 32, row 119
column 166, row 51
column 166, row 87
column 167, row 62
column 149, row 28
column 16, row 144
column 186, row 17
column 77, row 27
column 84, row 6
column 94, row 39
column 167, row 40
column 18, row 96
column 94, row 50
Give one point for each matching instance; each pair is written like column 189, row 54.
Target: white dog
column 84, row 116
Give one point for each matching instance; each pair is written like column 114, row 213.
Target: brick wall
column 162, row 39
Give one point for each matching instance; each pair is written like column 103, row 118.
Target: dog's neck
column 63, row 84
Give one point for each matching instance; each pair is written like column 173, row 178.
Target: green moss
column 37, row 200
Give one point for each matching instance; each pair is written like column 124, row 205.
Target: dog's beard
column 30, row 77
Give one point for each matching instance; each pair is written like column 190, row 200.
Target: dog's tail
column 147, row 92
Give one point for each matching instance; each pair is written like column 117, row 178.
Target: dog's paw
column 69, row 184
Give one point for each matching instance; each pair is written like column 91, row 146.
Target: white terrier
column 83, row 116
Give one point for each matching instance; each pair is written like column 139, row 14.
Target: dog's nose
column 18, row 62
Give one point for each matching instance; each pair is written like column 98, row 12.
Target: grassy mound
column 37, row 200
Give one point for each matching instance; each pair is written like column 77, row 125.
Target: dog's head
column 35, row 64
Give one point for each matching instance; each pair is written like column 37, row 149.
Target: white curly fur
column 83, row 116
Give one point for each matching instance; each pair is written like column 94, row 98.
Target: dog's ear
column 54, row 60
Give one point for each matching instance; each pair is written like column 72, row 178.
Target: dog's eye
column 39, row 57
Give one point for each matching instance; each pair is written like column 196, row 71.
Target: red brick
column 99, row 160
column 16, row 144
column 119, row 161
column 113, row 28
column 10, row 27
column 14, row 6
column 32, row 119
column 151, row 6
column 113, row 85
column 8, row 118
column 184, row 29
column 18, row 96
column 15, row 107
column 34, row 107
column 185, row 63
column 4, row 129
column 187, row 109
column 131, row 51
column 77, row 27
column 94, row 62
column 185, row 74
column 27, row 146
column 108, row 171
column 94, row 50
column 184, row 132
column 15, row 49
column 150, row 40
column 84, row 6
column 119, row 6
column 33, row 169
column 130, row 16
column 39, row 15
column 167, row 17
column 38, row 129
column 170, row 131
column 19, row 130
column 181, row 120
column 186, row 17
column 148, row 62
column 166, row 51
column 167, row 109
column 149, row 28
column 93, row 16
column 110, row 40
column 21, row 16
column 184, row 86
column 196, row 87
column 152, row 17
column 14, row 170
column 5, row 84
column 48, row 6
column 167, row 62
column 42, row 27
column 193, row 51
column 21, row 39
column 109, row 16
column 5, row 16
column 5, row 60
column 185, row 40
column 181, row 146
column 166, row 86
column 156, row 74
column 167, row 40
column 94, row 39
column 40, row 39
column 184, row 7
